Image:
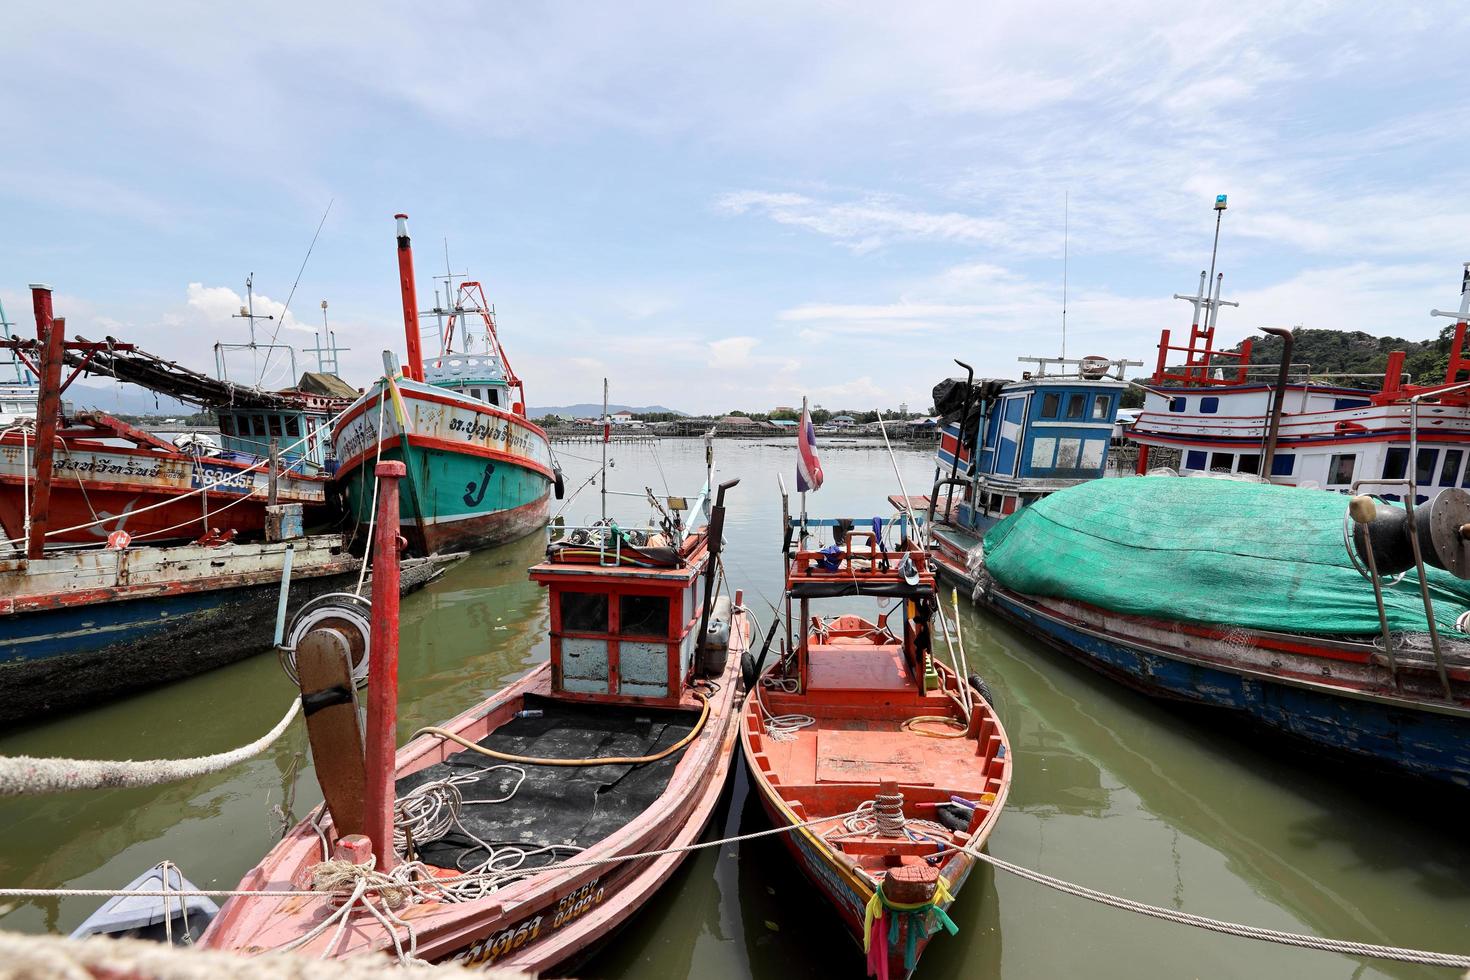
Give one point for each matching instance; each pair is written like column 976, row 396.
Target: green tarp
column 1199, row 550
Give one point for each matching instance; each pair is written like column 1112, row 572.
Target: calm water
column 1111, row 790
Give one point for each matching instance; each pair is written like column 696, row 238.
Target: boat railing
column 610, row 539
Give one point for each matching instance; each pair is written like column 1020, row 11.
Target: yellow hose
column 912, row 726
column 612, row 761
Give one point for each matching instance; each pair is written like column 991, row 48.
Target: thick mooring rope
column 23, row 775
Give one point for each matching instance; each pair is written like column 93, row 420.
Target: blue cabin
column 1018, row 441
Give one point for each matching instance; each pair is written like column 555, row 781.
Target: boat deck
column 571, row 807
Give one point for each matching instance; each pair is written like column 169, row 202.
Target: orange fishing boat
column 891, row 766
column 526, row 830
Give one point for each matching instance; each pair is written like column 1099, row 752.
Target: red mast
column 51, row 335
column 414, row 368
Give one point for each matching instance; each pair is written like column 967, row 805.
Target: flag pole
column 801, row 540
column 606, row 434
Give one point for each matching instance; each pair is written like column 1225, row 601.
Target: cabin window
column 1194, row 460
column 1424, row 468
column 1076, row 406
column 1100, row 406
column 1249, row 463
column 992, row 504
column 1396, row 463
column 643, row 615
column 293, row 425
column 492, row 396
column 1222, row 462
column 1176, row 404
column 1338, row 404
column 1010, row 506
column 1451, row 468
column 1282, row 464
column 584, row 612
column 275, row 424
column 1051, row 405
column 1043, row 451
column 227, row 425
column 1340, row 469
column 1209, row 405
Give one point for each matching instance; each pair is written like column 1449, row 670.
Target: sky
column 730, row 206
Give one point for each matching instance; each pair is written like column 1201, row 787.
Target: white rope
column 1345, row 947
column 23, row 775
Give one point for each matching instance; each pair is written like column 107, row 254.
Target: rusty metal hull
column 83, row 627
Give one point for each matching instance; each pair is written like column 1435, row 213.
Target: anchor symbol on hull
column 473, row 495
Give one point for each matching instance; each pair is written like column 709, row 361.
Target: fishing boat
column 1286, row 423
column 74, row 478
column 1350, row 633
column 1006, row 444
column 480, row 471
column 525, row 830
column 889, row 766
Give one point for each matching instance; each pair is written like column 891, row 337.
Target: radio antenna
column 1066, row 238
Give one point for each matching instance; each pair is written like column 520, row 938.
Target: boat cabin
column 1021, row 440
column 625, row 612
column 246, row 434
column 477, row 376
column 1214, row 411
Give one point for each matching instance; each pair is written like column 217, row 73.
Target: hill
column 586, row 410
column 1356, row 352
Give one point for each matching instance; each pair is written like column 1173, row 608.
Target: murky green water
column 1111, row 790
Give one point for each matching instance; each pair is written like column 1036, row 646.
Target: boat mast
column 414, row 368
column 606, row 434
column 1066, row 241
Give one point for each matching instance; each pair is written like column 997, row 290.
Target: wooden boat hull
column 537, row 924
column 477, row 476
column 83, row 627
column 114, row 482
column 1334, row 695
column 844, row 891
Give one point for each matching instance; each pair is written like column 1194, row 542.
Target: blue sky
column 725, row 206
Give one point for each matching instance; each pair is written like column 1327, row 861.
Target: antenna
column 1066, row 239
column 327, row 356
column 451, row 304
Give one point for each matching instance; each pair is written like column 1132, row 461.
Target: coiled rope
column 23, row 775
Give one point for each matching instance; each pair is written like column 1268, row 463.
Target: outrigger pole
column 606, row 435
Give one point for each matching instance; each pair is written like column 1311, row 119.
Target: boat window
column 1396, row 463
column 492, row 396
column 584, row 612
column 1051, row 405
column 275, row 424
column 1222, row 462
column 1451, row 468
column 1424, row 468
column 1249, row 463
column 293, row 425
column 1194, row 460
column 1338, row 404
column 1209, row 405
column 1282, row 464
column 1340, row 469
column 1100, row 406
column 227, row 425
column 643, row 615
column 1076, row 406
column 1176, row 404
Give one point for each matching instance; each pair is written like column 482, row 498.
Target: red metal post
column 1393, row 374
column 1245, row 360
column 1163, row 357
column 414, row 368
column 382, row 719
column 1141, row 467
column 52, row 335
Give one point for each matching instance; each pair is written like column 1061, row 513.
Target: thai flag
column 808, row 467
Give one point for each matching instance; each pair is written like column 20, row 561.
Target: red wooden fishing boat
column 890, row 765
column 620, row 745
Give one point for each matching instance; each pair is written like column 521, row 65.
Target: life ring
column 119, row 540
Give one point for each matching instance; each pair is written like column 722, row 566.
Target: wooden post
column 52, row 335
column 273, row 484
column 383, row 669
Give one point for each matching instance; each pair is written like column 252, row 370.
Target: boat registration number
column 498, row 944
